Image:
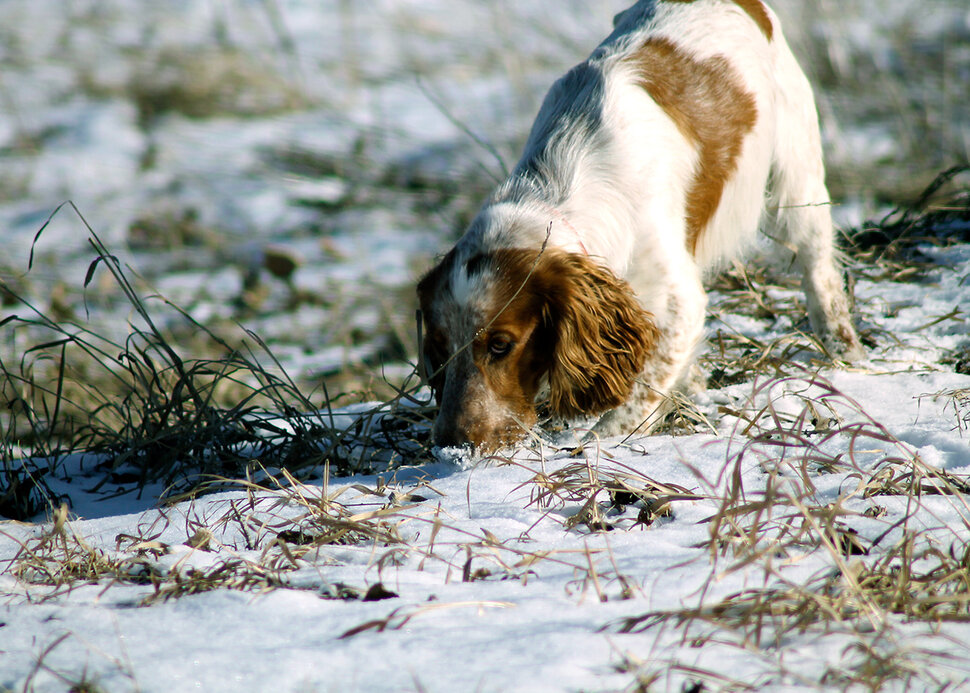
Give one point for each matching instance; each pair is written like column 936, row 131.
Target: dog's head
column 501, row 325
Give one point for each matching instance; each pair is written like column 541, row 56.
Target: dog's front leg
column 668, row 366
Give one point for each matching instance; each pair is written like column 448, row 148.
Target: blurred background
column 292, row 166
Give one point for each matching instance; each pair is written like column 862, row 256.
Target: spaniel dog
column 651, row 163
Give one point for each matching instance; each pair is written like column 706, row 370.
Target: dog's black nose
column 450, row 437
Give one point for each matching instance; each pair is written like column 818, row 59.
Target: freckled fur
column 649, row 165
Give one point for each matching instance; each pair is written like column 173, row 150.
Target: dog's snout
column 447, row 434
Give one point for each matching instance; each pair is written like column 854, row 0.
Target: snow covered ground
column 816, row 542
column 499, row 576
column 199, row 138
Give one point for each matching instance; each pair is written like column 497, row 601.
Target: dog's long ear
column 602, row 334
column 432, row 355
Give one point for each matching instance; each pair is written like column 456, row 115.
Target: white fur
column 615, row 186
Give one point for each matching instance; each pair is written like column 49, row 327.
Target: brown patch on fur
column 556, row 315
column 755, row 9
column 602, row 334
column 486, row 383
column 515, row 319
column 708, row 103
column 759, row 13
column 592, row 336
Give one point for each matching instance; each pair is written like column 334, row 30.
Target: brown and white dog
column 649, row 164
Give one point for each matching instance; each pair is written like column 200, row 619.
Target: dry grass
column 604, row 490
column 261, row 538
column 162, row 422
column 908, row 568
column 270, row 535
column 904, row 88
column 890, row 248
column 148, row 414
column 274, row 530
column 149, row 409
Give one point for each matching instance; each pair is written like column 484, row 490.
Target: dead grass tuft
column 890, row 248
column 60, row 558
column 150, row 415
column 261, row 538
column 902, row 565
column 605, row 492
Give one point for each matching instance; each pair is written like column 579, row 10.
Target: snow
column 531, row 625
column 498, row 583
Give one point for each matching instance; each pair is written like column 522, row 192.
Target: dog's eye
column 499, row 345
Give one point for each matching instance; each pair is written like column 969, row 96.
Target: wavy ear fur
column 603, row 335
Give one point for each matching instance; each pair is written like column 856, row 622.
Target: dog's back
column 681, row 114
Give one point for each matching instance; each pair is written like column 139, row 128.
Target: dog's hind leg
column 804, row 211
